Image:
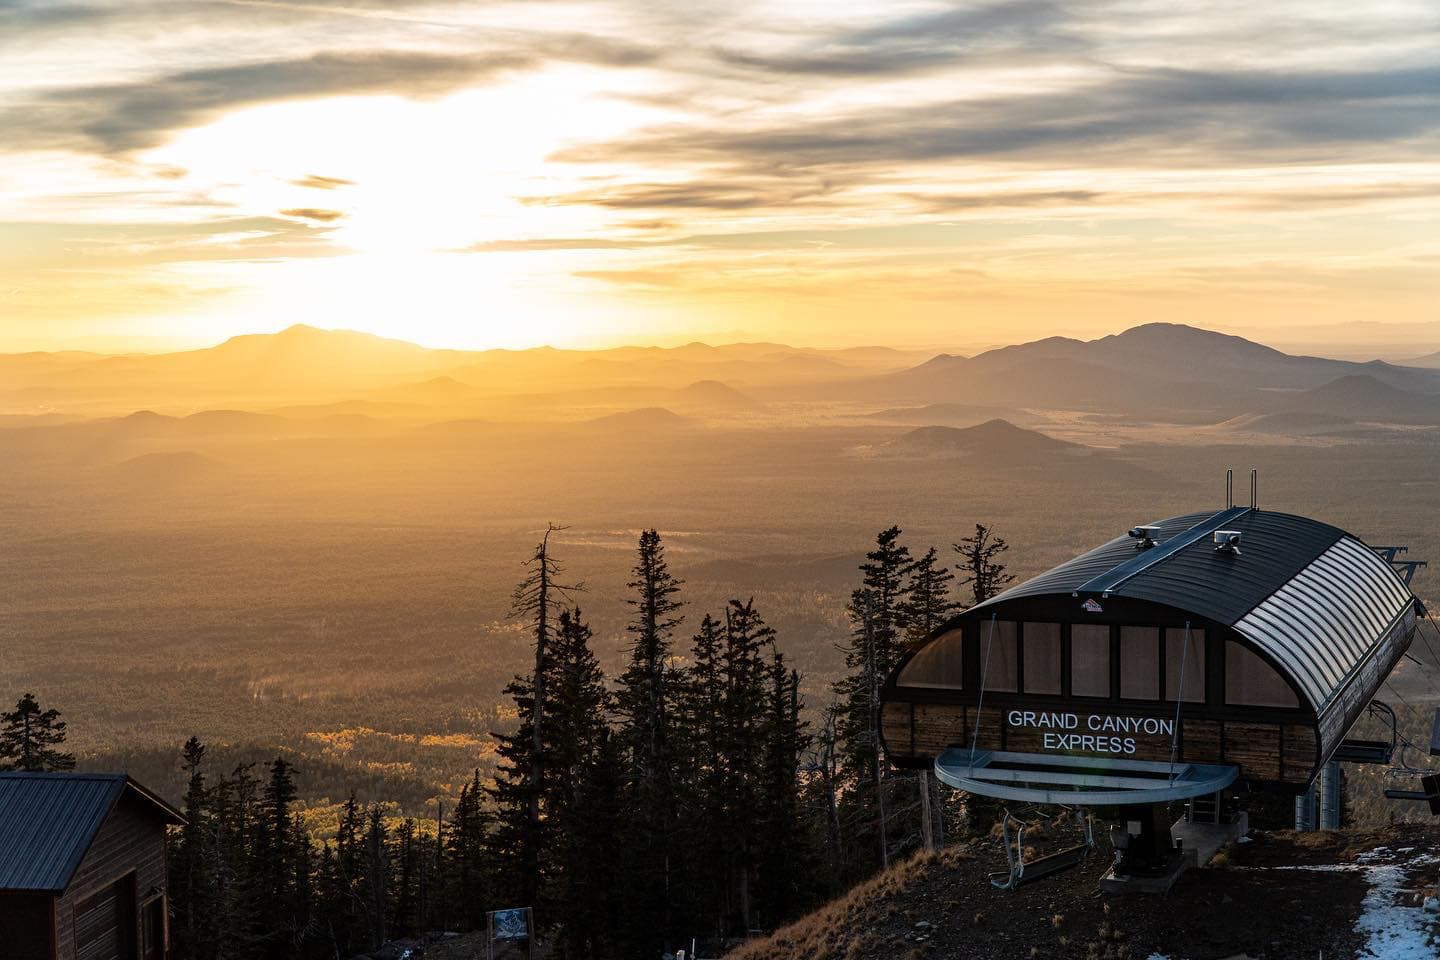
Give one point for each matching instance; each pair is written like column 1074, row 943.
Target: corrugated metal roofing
column 1312, row 596
column 49, row 820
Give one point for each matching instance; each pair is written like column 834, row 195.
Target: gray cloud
column 923, row 42
column 718, row 194
column 1138, row 117
column 120, row 117
column 955, row 202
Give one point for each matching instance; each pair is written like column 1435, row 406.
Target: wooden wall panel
column 1255, row 748
column 1297, row 760
column 896, row 728
column 1201, row 741
column 939, row 726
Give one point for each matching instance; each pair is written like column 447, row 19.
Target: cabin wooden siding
column 915, row 734
column 131, row 841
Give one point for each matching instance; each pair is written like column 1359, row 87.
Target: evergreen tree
column 879, row 612
column 535, row 598
column 577, row 726
column 980, row 566
column 589, row 898
column 702, row 721
column 347, row 915
column 743, row 670
column 406, row 855
column 645, row 702
column 192, row 864
column 29, row 738
column 467, row 867
column 784, row 868
column 928, row 601
column 377, row 877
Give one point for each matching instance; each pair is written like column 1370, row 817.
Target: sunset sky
column 583, row 173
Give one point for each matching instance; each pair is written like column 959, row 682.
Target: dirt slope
column 1279, row 895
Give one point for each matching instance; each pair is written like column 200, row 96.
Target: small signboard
column 510, row 926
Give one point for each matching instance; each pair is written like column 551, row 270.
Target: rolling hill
column 1364, row 397
column 713, row 396
column 999, row 440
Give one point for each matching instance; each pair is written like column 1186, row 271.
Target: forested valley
column 694, row 799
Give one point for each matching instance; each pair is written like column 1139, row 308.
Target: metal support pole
column 1305, row 811
column 927, row 821
column 1330, row 780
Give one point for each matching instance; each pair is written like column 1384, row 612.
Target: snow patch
column 1393, row 931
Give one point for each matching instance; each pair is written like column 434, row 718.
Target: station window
column 1090, row 660
column 940, row 663
column 1251, row 682
column 1140, row 663
column 1193, row 652
column 1000, row 671
column 1042, row 657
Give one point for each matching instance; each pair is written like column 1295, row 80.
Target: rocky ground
column 1279, row 895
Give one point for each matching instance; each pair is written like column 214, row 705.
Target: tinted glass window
column 1001, row 674
column 1090, row 660
column 1140, row 663
column 937, row 664
column 1251, row 682
column 1042, row 657
column 1193, row 652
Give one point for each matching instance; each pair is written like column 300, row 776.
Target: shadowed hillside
column 1363, row 397
column 1341, row 894
column 999, row 440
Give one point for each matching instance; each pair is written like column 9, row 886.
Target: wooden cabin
column 82, row 868
column 1186, row 655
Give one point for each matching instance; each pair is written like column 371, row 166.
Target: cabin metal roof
column 49, row 820
column 1313, row 597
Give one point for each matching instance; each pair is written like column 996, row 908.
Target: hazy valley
column 308, row 540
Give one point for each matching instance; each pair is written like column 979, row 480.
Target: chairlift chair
column 1020, row 871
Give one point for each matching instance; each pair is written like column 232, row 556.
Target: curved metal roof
column 1313, row 597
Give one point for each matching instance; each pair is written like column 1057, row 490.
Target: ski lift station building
column 1192, row 654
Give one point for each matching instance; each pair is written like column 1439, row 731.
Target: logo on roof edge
column 1092, row 606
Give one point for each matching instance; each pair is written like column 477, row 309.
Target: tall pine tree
column 645, row 701
column 521, row 794
column 880, row 615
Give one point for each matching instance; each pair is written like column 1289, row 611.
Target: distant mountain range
column 1158, row 367
column 1154, row 371
column 305, row 365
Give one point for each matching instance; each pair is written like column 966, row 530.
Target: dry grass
column 838, row 930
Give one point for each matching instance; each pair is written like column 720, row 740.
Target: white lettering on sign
column 1103, row 727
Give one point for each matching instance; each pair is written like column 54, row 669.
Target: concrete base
column 1206, row 839
column 1198, row 842
column 1114, row 883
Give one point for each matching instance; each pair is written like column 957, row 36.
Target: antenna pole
column 1254, row 483
column 1229, row 489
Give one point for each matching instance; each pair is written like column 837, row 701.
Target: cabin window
column 1251, row 682
column 1193, row 652
column 1042, row 657
column 1000, row 649
column 1140, row 663
column 940, row 663
column 1090, row 660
